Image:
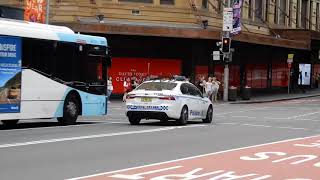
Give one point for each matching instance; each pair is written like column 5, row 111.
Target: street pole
column 226, row 67
column 226, row 80
column 289, row 79
column 47, row 11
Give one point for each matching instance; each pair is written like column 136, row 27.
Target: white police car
column 168, row 100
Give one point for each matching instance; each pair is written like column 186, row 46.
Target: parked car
column 168, row 100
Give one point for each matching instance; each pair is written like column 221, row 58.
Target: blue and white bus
column 50, row 71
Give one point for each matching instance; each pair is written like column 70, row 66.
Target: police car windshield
column 157, row 86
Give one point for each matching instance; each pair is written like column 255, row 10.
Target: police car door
column 193, row 102
column 198, row 102
column 188, row 99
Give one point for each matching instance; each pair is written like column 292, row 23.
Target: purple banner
column 237, row 4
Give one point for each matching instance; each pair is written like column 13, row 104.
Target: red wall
column 138, row 67
column 257, row 75
column 234, row 74
column 201, row 71
column 279, row 74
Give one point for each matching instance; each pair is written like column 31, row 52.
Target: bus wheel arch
column 72, row 108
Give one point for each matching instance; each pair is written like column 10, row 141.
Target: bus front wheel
column 9, row 122
column 70, row 110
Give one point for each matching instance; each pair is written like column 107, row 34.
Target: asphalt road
column 40, row 149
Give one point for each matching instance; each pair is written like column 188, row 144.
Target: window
column 266, row 16
column 250, row 9
column 290, row 12
column 157, row 86
column 258, row 10
column 276, row 10
column 185, row 89
column 311, row 25
column 193, row 90
column 137, row 1
column 205, row 4
column 304, row 15
column 298, row 17
column 317, row 16
column 167, row 2
column 283, row 12
column 222, row 4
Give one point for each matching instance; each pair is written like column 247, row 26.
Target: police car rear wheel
column 183, row 117
column 134, row 120
column 209, row 116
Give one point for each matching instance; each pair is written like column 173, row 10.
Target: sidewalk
column 277, row 96
column 259, row 97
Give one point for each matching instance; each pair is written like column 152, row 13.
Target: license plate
column 146, row 99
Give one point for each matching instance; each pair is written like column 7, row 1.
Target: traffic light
column 226, row 43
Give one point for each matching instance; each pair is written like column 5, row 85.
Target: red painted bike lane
column 297, row 159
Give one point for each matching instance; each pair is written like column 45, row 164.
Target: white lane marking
column 260, row 108
column 303, row 115
column 266, row 126
column 96, row 136
column 249, row 117
column 256, row 125
column 294, row 128
column 276, row 118
column 94, row 123
column 192, row 157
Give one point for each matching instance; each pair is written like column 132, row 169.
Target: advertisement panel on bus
column 141, row 68
column 10, row 74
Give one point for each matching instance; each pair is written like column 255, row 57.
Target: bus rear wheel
column 10, row 122
column 70, row 110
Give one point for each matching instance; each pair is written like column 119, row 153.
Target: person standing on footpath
column 109, row 88
column 127, row 87
column 201, row 84
column 216, row 85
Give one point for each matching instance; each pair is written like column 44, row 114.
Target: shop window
column 256, row 75
column 137, row 1
column 279, row 75
column 234, row 77
column 167, row 2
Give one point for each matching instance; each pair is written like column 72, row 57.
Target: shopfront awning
column 181, row 31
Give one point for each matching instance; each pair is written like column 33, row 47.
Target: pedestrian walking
column 109, row 88
column 216, row 86
column 134, row 83
column 209, row 88
column 127, row 87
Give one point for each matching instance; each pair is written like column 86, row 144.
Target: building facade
column 166, row 37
